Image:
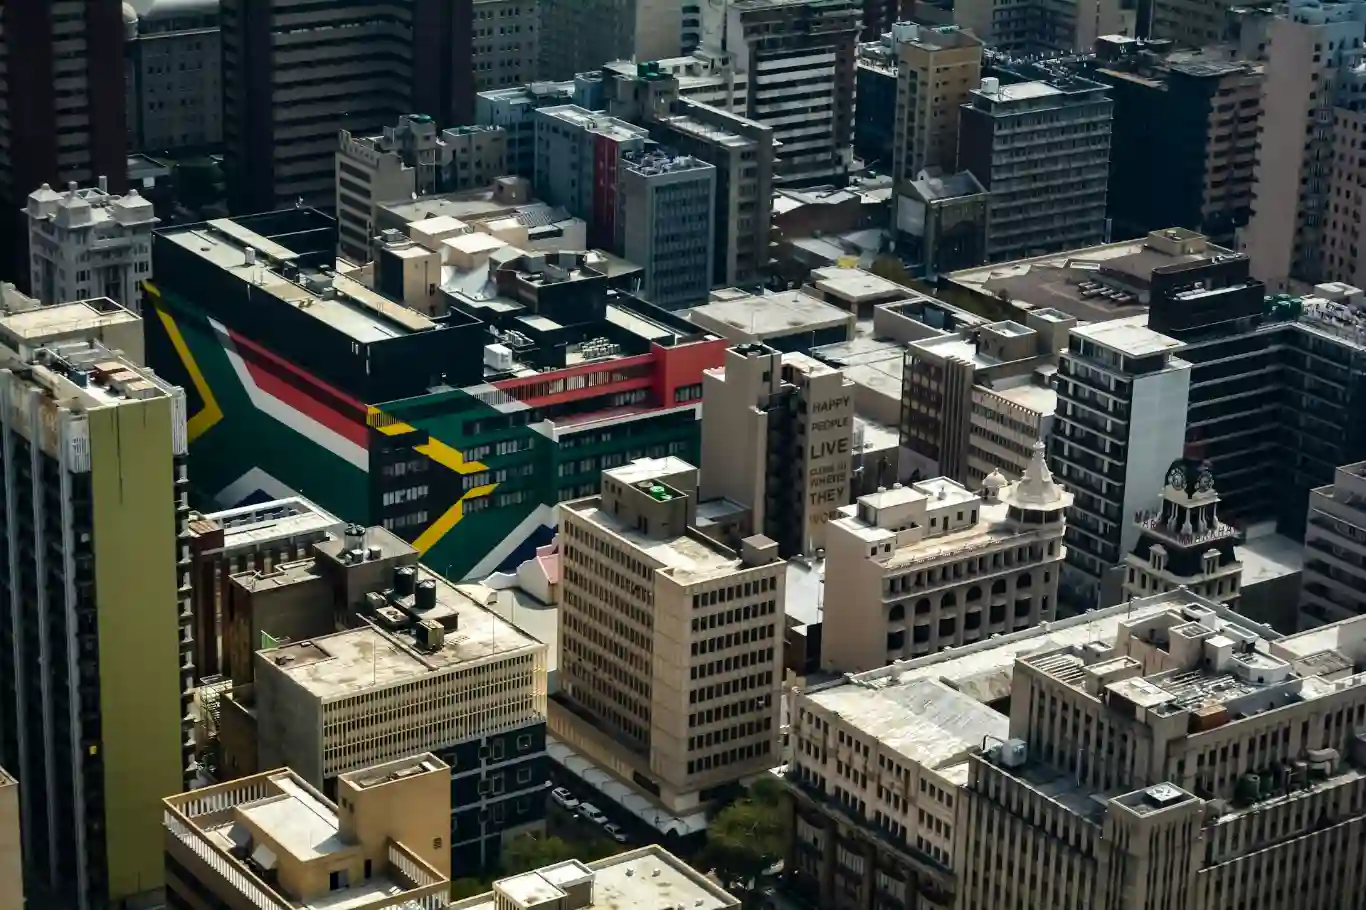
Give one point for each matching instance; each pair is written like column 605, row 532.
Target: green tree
column 462, row 888
column 530, row 851
column 748, row 836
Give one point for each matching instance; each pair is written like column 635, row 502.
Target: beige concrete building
column 506, row 46
column 936, row 68
column 1343, row 261
column 670, row 644
column 970, row 396
column 928, row 566
column 273, row 842
column 650, row 878
column 577, row 36
column 1334, row 581
column 1047, row 27
column 777, row 431
column 11, row 847
column 1165, row 753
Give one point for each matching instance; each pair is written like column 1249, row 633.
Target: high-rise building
column 86, row 243
column 800, row 58
column 667, row 206
column 295, row 73
column 639, row 91
column 506, row 47
column 578, row 163
column 394, row 403
column 175, row 85
column 273, row 841
column 63, row 97
column 742, row 153
column 1334, row 579
column 1312, row 74
column 1183, row 543
column 680, row 699
column 1042, row 27
column 928, row 566
column 581, row 35
column 776, row 440
column 98, row 670
column 1041, row 149
column 11, row 848
column 514, row 110
column 1121, row 420
column 1210, row 107
column 936, row 70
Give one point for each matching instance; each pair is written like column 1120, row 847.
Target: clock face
column 1176, row 477
column 1204, row 481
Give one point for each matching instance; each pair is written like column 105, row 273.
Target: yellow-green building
column 95, row 666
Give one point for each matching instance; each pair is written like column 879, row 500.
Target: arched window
column 898, row 611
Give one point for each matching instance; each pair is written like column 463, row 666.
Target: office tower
column 1311, row 72
column 514, row 109
column 875, row 88
column 880, row 15
column 1042, row 28
column 506, row 45
column 11, row 848
column 581, row 35
column 86, row 243
column 1334, row 580
column 578, row 160
column 974, row 395
column 667, row 205
column 931, row 565
column 1014, row 137
column 936, row 69
column 1183, row 543
column 800, row 59
column 776, row 437
column 272, row 840
column 295, row 73
column 63, row 96
column 97, row 670
column 459, row 440
column 1210, row 108
column 683, row 696
column 1121, row 420
column 741, row 150
column 250, row 538
column 175, row 87
column 648, row 878
column 641, row 91
column 470, row 687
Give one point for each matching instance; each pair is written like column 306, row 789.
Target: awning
column 628, row 799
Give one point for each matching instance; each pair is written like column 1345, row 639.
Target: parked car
column 614, row 831
column 565, row 799
column 592, row 813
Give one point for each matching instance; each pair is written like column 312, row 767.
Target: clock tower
column 1183, row 543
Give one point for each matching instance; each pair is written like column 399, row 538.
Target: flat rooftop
column 856, row 284
column 1038, row 398
column 686, row 559
column 1130, row 336
column 594, row 122
column 770, row 315
column 280, row 519
column 954, row 347
column 691, row 126
column 47, row 321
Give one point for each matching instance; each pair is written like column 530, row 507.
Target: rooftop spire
column 1036, row 488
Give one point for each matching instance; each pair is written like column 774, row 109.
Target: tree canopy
column 748, row 836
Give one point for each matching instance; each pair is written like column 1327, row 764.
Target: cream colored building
column 777, row 433
column 936, row 68
column 916, row 569
column 1042, row 26
column 670, row 644
column 1164, row 753
column 1006, row 421
column 11, row 850
column 273, row 842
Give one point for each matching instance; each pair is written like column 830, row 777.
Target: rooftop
column 954, row 347
column 707, row 131
column 86, row 376
column 1130, row 336
column 281, row 519
column 773, row 314
column 47, row 321
column 594, row 122
column 856, row 284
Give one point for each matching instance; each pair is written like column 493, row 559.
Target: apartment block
column 513, row 109
column 972, row 393
column 295, row 74
column 1334, row 580
column 777, row 433
column 1313, row 52
column 936, row 69
column 637, row 90
column 250, row 538
column 1183, row 543
column 98, row 671
column 648, row 878
column 800, row 59
column 742, row 153
column 88, row 243
column 1343, row 262
column 470, row 688
column 506, row 43
column 1043, row 28
column 931, row 565
column 1041, row 149
column 680, row 700
column 175, row 90
column 1123, row 397
column 667, row 203
column 578, row 164
column 1213, row 109
column 274, row 841
column 581, row 35
column 11, row 846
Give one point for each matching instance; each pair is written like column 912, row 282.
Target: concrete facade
column 1042, row 27
column 667, row 208
column 582, row 35
column 175, row 89
column 578, row 161
column 1334, row 580
column 513, row 109
column 936, row 69
column 11, row 847
column 506, row 46
column 680, row 698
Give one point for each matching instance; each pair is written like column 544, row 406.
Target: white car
column 592, row 813
column 615, row 832
column 566, row 799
